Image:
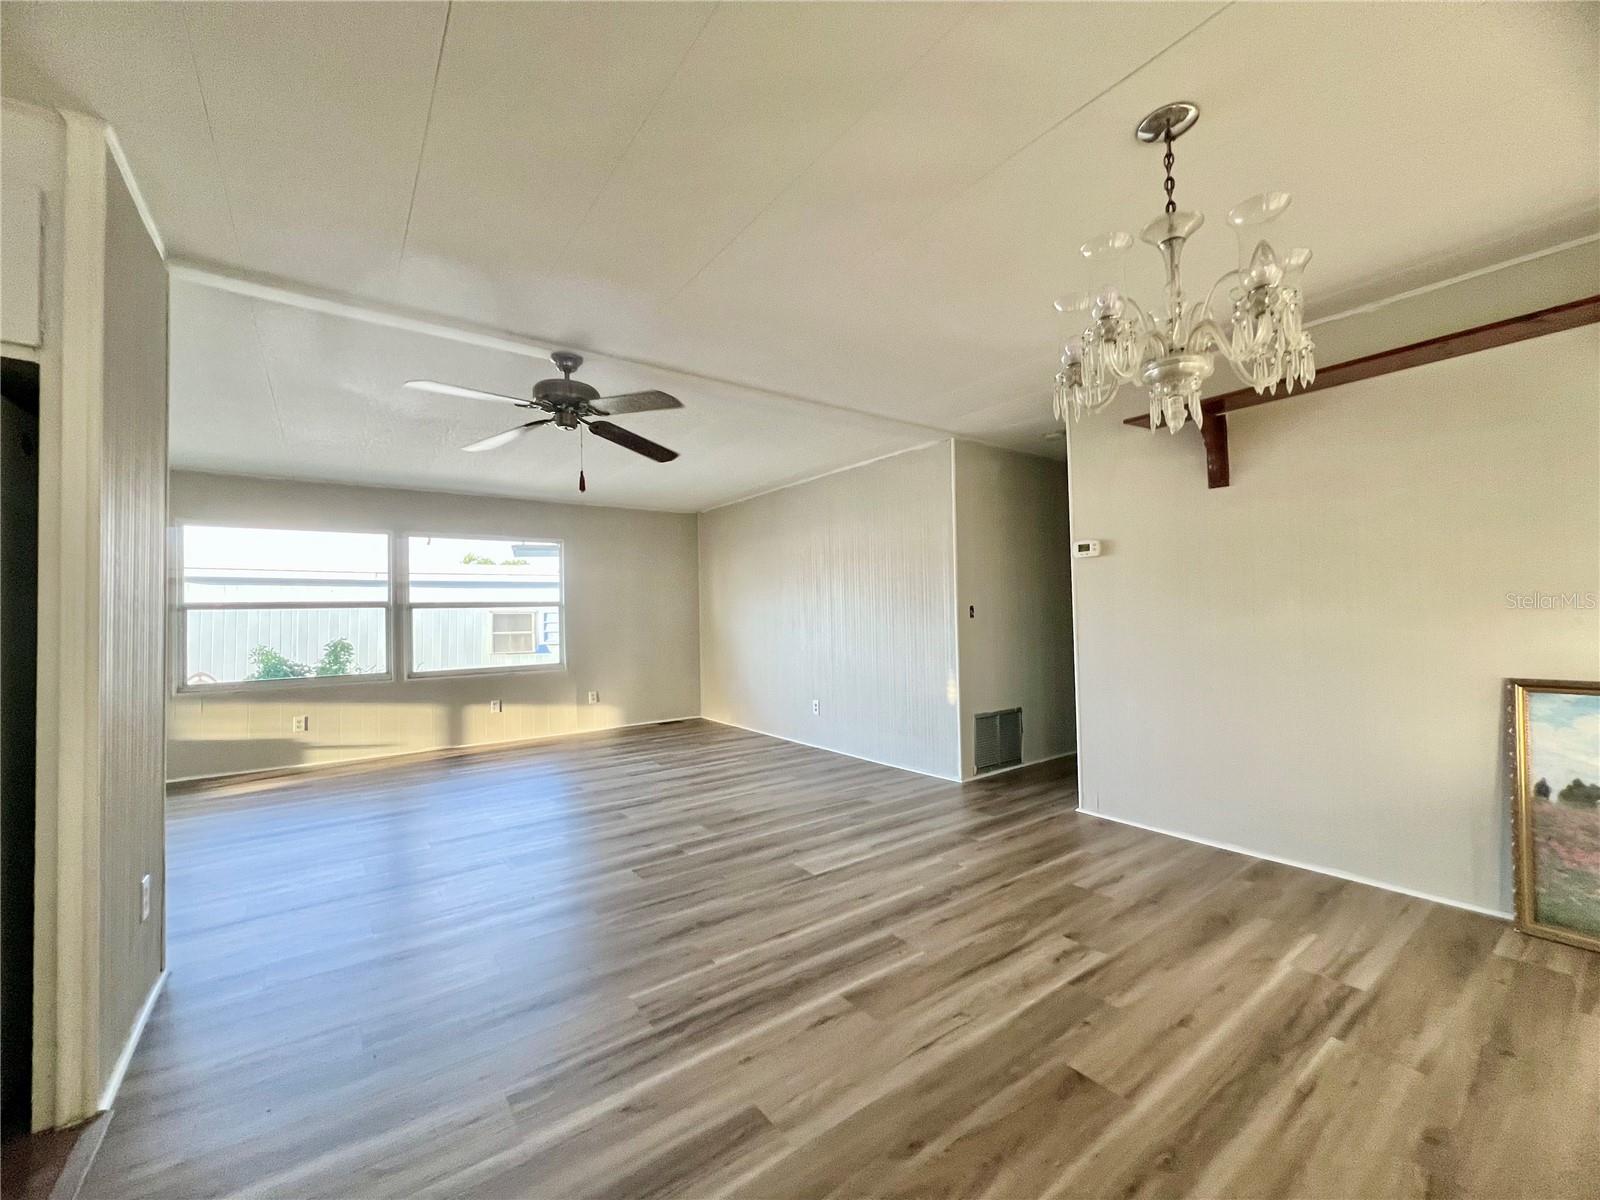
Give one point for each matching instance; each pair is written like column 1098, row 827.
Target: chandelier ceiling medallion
column 1172, row 355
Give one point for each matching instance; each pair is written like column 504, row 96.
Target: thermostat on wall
column 1088, row 549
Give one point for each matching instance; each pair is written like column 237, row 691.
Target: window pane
column 283, row 566
column 474, row 639
column 484, row 571
column 233, row 645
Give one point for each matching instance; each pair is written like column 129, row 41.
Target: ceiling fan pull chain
column 583, row 484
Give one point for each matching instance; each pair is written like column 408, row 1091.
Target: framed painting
column 1556, row 809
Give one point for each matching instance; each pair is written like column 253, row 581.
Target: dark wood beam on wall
column 1451, row 345
column 1214, row 433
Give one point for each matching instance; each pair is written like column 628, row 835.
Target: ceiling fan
column 570, row 405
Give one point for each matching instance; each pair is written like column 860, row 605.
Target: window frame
column 404, row 607
column 179, row 611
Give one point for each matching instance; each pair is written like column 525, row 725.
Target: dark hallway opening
column 19, row 577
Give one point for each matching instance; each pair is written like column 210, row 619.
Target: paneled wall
column 840, row 592
column 102, row 454
column 133, row 509
column 1014, row 596
column 1308, row 664
column 632, row 633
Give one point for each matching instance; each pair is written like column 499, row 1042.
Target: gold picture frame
column 1534, row 811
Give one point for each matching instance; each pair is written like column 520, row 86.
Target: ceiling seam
column 266, row 372
column 1048, row 130
column 427, row 126
column 622, row 156
column 874, row 106
column 211, row 131
column 233, row 228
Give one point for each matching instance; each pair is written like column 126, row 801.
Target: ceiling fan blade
column 450, row 389
column 496, row 440
column 629, row 440
column 635, row 402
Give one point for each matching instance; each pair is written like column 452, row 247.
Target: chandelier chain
column 1166, row 161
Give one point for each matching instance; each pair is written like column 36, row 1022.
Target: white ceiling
column 265, row 388
column 867, row 205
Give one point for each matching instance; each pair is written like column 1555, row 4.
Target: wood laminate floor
column 688, row 960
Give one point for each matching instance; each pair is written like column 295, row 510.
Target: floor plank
column 692, row 961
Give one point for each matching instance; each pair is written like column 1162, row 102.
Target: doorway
column 19, row 581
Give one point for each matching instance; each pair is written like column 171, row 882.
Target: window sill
column 486, row 672
column 239, row 686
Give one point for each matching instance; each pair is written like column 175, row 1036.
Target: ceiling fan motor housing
column 564, row 391
column 564, row 399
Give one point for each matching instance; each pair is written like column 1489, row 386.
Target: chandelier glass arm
column 1234, row 275
column 1207, row 337
column 1148, row 336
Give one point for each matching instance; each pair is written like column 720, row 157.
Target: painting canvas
column 1558, row 810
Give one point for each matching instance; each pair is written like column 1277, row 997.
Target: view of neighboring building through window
column 483, row 604
column 272, row 604
column 264, row 604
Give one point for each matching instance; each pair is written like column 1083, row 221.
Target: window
column 483, row 604
column 262, row 605
column 511, row 633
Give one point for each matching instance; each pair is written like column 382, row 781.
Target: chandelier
column 1251, row 316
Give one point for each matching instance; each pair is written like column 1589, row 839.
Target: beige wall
column 1013, row 571
column 631, row 633
column 1308, row 664
column 839, row 590
column 133, row 508
column 102, row 605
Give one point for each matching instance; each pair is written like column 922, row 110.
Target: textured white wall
column 1309, row 663
column 1013, row 571
column 839, row 590
column 632, row 633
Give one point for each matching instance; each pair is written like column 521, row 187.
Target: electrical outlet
column 594, row 697
column 302, row 724
column 497, row 706
column 144, row 899
column 816, row 708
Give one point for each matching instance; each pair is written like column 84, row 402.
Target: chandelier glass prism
column 1251, row 316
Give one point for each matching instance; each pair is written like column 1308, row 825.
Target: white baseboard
column 114, row 1083
column 1304, row 866
column 459, row 749
column 835, row 750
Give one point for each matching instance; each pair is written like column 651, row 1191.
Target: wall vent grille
column 998, row 739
